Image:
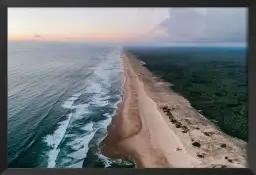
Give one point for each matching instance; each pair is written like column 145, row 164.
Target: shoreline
column 157, row 128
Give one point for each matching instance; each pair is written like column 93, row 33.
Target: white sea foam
column 88, row 127
column 81, row 145
column 68, row 104
column 80, row 111
column 53, row 140
column 98, row 101
column 103, row 123
column 107, row 161
column 98, row 86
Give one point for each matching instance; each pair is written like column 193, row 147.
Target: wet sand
column 157, row 128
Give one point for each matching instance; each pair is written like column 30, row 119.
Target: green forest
column 213, row 79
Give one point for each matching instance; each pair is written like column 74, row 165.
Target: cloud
column 38, row 36
column 204, row 25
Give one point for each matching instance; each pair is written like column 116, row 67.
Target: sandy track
column 143, row 132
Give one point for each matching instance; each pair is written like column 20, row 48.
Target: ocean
column 61, row 98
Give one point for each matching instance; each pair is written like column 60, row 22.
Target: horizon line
column 140, row 44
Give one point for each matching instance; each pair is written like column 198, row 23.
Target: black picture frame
column 251, row 61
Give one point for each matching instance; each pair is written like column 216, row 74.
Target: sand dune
column 157, row 128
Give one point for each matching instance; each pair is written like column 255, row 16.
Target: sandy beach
column 157, row 128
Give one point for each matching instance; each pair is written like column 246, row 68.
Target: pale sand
column 143, row 132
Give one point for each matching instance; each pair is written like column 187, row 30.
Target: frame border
column 3, row 94
column 127, row 3
column 130, row 3
column 251, row 38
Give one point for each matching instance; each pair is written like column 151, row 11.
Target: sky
column 226, row 26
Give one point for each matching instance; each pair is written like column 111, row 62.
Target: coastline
column 157, row 128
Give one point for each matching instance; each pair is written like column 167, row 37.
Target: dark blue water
column 61, row 97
